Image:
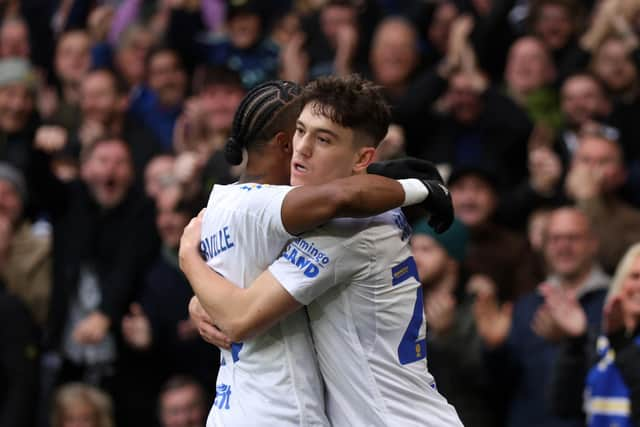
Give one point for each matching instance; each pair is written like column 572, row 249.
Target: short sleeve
column 265, row 205
column 261, row 204
column 315, row 262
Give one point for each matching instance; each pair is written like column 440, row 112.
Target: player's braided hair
column 264, row 111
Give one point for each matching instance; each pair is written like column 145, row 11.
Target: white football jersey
column 366, row 315
column 272, row 379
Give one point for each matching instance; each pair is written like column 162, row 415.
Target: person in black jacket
column 602, row 378
column 104, row 240
column 18, row 362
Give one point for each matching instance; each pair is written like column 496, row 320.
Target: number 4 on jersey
column 411, row 348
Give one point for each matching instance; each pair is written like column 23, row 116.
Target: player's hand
column 190, row 242
column 406, row 168
column 207, row 330
column 439, row 206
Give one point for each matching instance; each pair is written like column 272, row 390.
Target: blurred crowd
column 113, row 119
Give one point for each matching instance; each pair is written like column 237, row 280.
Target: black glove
column 408, row 167
column 438, row 205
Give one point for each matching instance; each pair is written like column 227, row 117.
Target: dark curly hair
column 351, row 102
column 265, row 110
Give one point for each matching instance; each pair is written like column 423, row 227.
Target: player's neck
column 264, row 168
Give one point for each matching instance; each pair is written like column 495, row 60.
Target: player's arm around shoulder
column 239, row 313
column 307, row 207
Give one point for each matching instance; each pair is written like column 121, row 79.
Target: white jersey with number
column 273, row 379
column 365, row 306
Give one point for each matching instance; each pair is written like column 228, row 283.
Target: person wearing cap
column 25, row 251
column 453, row 345
column 18, row 120
column 494, row 251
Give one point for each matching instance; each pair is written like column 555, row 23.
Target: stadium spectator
column 613, row 64
column 521, row 340
column 394, row 56
column 25, row 251
column 158, row 102
column 529, row 76
column 14, row 39
column 77, row 404
column 601, row 379
column 455, row 348
column 557, row 23
column 493, row 251
column 594, row 181
column 482, row 128
column 130, row 54
column 182, row 403
column 18, row 119
column 72, row 61
column 104, row 240
column 332, row 36
column 204, row 126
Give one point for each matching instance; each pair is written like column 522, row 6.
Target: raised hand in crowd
column 392, row 145
column 51, row 139
column 187, row 169
column 613, row 319
column 564, row 312
column 92, row 329
column 346, row 45
column 611, row 17
column 440, row 312
column 460, row 55
column 191, row 127
column 294, row 60
column 493, row 321
column 99, row 22
column 136, row 328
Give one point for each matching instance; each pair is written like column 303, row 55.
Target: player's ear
column 284, row 143
column 363, row 157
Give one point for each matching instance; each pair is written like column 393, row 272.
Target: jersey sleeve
column 315, row 262
column 262, row 203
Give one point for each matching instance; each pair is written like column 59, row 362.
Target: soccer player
column 273, row 379
column 356, row 276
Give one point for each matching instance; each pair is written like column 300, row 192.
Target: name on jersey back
column 216, row 243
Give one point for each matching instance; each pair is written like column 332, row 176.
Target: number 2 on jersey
column 411, row 349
